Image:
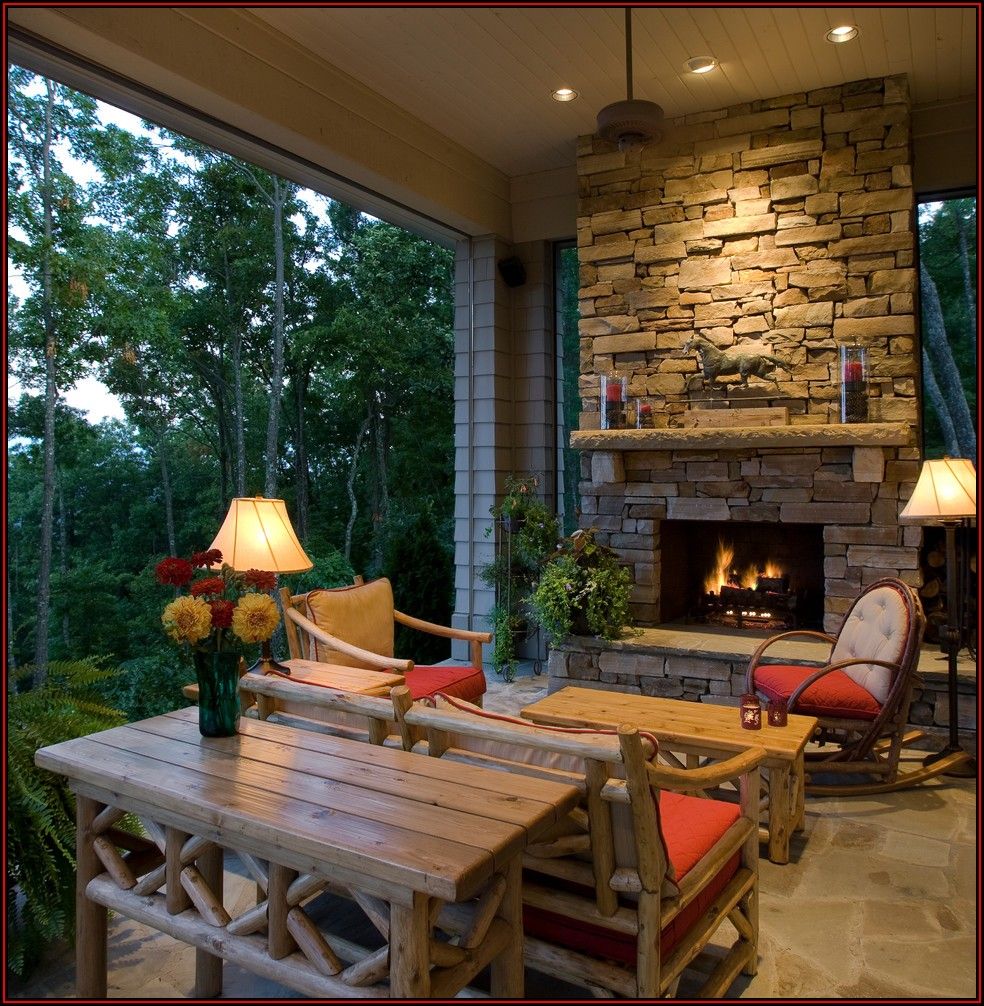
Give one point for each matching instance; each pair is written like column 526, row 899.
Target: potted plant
column 526, row 532
column 582, row 590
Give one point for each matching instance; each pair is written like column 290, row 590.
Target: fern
column 40, row 807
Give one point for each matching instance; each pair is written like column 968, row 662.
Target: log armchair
column 354, row 626
column 635, row 885
column 860, row 695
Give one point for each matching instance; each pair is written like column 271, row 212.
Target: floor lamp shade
column 946, row 489
column 257, row 534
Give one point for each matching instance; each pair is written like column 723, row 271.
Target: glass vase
column 854, row 384
column 613, row 402
column 218, row 693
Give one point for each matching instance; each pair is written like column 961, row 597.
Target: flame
column 721, row 576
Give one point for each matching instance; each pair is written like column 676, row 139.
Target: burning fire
column 725, row 574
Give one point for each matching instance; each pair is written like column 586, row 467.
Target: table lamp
column 946, row 493
column 257, row 534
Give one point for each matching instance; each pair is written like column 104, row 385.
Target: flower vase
column 218, row 693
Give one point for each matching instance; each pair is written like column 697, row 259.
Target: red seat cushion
column 835, row 694
column 466, row 683
column 691, row 826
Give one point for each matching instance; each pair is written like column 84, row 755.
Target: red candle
column 614, row 391
column 645, row 409
column 853, row 371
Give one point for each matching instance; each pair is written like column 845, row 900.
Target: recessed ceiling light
column 701, row 64
column 564, row 94
column 842, row 33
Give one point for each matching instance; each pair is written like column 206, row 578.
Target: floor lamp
column 946, row 494
column 257, row 534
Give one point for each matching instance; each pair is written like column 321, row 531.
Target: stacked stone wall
column 781, row 226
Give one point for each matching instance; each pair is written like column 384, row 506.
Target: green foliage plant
column 583, row 590
column 527, row 534
column 40, row 807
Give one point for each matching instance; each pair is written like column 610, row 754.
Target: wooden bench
column 603, row 904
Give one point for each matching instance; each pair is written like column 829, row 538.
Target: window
column 948, row 298
column 569, row 369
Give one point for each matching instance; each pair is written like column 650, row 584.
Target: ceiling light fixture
column 701, row 64
column 631, row 123
column 564, row 94
column 842, row 33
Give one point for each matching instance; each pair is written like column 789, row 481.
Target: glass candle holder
column 613, row 401
column 645, row 419
column 854, row 384
column 751, row 712
column 778, row 712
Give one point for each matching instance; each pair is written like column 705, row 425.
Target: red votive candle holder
column 778, row 712
column 751, row 712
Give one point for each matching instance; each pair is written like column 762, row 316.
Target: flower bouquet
column 215, row 619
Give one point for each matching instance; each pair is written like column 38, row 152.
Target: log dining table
column 430, row 851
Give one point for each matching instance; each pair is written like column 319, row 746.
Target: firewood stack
column 933, row 592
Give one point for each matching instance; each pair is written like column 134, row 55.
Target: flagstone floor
column 879, row 901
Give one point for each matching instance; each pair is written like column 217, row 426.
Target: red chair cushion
column 691, row 826
column 835, row 694
column 466, row 683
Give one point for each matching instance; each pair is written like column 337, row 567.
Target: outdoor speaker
column 512, row 271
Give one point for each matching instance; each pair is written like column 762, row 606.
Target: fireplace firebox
column 742, row 575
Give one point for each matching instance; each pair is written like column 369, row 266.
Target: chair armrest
column 707, row 777
column 757, row 655
column 836, row 666
column 441, row 630
column 366, row 656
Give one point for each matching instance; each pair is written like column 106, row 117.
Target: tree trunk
column 11, row 659
column 937, row 346
column 381, row 511
column 350, row 486
column 970, row 294
column 935, row 397
column 301, row 486
column 50, row 398
column 172, row 541
column 236, row 337
column 63, row 557
column 277, row 376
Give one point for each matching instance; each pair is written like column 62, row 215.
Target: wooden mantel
column 738, row 438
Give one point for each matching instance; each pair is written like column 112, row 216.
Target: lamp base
column 266, row 664
column 965, row 769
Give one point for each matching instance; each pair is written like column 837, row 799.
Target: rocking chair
column 861, row 696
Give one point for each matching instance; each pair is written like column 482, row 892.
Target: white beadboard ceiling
column 483, row 75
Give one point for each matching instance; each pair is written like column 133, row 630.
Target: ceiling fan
column 632, row 122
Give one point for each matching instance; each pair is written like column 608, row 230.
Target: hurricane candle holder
column 644, row 414
column 778, row 712
column 854, row 384
column 613, row 401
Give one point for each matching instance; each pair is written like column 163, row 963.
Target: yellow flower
column 255, row 618
column 187, row 619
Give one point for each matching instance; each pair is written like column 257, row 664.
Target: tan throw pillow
column 361, row 615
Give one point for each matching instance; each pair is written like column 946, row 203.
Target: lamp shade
column 945, row 489
column 257, row 534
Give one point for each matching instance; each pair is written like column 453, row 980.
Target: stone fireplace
column 781, row 227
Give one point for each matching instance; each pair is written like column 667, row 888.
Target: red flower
column 210, row 585
column 202, row 560
column 174, row 572
column 260, row 579
column 221, row 613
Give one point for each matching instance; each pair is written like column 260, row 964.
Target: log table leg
column 780, row 820
column 799, row 782
column 507, row 974
column 279, row 941
column 90, row 918
column 208, row 967
column 410, row 949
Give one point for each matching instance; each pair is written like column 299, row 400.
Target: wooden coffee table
column 699, row 729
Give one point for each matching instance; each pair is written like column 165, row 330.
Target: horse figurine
column 717, row 363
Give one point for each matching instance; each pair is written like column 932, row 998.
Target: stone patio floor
column 879, row 901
